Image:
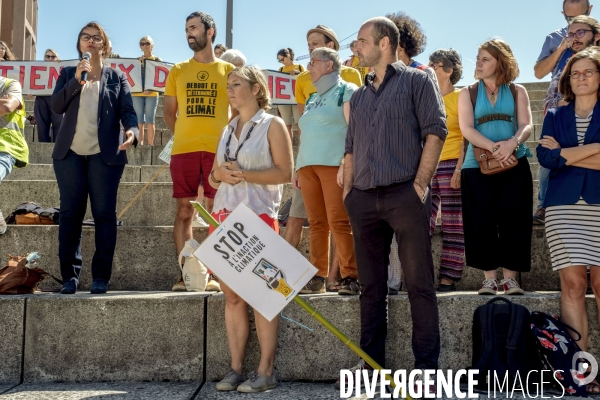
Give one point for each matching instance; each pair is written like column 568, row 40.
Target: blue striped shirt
column 387, row 127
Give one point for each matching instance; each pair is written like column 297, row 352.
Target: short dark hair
column 206, row 20
column 287, row 52
column 412, row 38
column 450, row 60
column 221, row 47
column 384, row 27
column 589, row 21
column 105, row 39
column 587, row 3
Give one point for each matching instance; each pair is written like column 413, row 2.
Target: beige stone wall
column 18, row 26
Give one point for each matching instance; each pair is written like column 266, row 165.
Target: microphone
column 86, row 56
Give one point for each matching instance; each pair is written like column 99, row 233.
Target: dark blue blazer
column 114, row 105
column 567, row 183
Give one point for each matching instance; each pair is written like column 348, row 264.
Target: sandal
column 333, row 286
column 593, row 387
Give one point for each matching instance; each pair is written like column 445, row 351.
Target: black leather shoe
column 446, row 288
column 99, row 287
column 69, row 287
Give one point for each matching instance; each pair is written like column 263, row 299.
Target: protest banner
column 255, row 262
column 282, row 87
column 155, row 75
column 39, row 77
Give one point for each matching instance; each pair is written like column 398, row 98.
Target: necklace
column 234, row 158
column 492, row 93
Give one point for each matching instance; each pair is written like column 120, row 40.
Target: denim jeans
column 7, row 162
column 77, row 177
column 375, row 216
column 145, row 108
column 543, row 176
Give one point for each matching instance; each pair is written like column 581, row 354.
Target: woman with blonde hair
column 145, row 103
column 252, row 162
column 5, row 53
column 497, row 208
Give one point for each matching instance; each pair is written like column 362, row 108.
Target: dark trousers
column 77, row 177
column 45, row 119
column 497, row 218
column 375, row 216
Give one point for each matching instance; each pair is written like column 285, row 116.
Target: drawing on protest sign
column 255, row 262
column 39, row 77
column 155, row 75
column 282, row 87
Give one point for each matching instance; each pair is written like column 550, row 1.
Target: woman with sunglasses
column 5, row 53
column 570, row 148
column 45, row 119
column 445, row 186
column 290, row 114
column 252, row 162
column 89, row 156
column 145, row 103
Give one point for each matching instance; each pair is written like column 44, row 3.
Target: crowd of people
column 386, row 143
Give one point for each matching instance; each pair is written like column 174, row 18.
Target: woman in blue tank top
column 497, row 208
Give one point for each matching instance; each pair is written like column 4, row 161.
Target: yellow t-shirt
column 454, row 140
column 289, row 68
column 363, row 71
column 152, row 94
column 203, row 105
column 305, row 87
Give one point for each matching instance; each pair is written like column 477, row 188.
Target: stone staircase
column 140, row 331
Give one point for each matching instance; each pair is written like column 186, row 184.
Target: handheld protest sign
column 307, row 307
column 255, row 262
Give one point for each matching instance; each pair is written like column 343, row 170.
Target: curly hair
column 507, row 69
column 253, row 75
column 412, row 37
column 564, row 85
column 450, row 60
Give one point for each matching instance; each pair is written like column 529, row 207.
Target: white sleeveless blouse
column 255, row 154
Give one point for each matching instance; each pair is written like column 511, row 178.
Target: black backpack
column 503, row 342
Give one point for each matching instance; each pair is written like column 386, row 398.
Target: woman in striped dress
column 570, row 148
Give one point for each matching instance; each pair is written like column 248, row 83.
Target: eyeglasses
column 280, row 59
column 435, row 66
column 144, row 43
column 579, row 33
column 312, row 61
column 95, row 38
column 50, row 57
column 569, row 19
column 587, row 73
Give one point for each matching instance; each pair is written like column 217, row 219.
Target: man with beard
column 196, row 110
column 553, row 59
column 388, row 167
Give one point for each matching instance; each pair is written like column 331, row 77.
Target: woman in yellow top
column 289, row 114
column 445, row 186
column 145, row 103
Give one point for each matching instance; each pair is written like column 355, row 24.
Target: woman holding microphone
column 89, row 155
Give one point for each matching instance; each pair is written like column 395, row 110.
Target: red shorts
column 189, row 171
column 220, row 217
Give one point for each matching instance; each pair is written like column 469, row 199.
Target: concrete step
column 114, row 337
column 142, row 249
column 537, row 95
column 530, row 86
column 132, row 173
column 155, row 337
column 155, row 207
column 101, row 390
column 325, row 355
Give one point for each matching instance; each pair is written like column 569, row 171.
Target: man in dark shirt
column 395, row 136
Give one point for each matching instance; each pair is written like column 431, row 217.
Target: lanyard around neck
column 235, row 156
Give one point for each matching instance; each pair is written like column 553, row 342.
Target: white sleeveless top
column 255, row 154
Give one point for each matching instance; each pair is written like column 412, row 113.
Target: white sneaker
column 198, row 222
column 2, row 224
